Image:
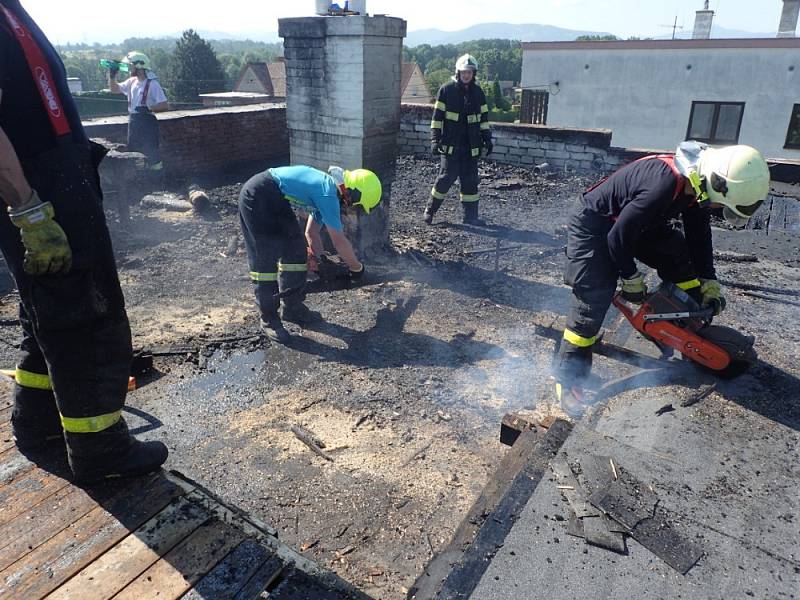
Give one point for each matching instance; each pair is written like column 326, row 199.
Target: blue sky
column 93, row 20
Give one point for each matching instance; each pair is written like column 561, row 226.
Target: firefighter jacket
column 644, row 196
column 461, row 119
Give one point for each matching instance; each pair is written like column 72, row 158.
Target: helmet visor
column 731, row 217
column 750, row 209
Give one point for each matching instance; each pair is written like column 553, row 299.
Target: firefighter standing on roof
column 631, row 215
column 276, row 250
column 75, row 353
column 459, row 130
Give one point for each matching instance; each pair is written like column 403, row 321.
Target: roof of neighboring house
column 236, row 95
column 665, row 44
column 277, row 73
column 261, row 72
column 407, row 72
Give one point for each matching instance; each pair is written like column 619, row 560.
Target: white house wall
column 645, row 95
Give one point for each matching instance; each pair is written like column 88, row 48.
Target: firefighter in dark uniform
column 633, row 215
column 459, row 130
column 276, row 250
column 72, row 375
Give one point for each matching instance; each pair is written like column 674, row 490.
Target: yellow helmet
column 364, row 188
column 138, row 59
column 736, row 177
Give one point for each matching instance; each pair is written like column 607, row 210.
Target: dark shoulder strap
column 143, row 101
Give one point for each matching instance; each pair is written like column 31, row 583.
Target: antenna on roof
column 675, row 25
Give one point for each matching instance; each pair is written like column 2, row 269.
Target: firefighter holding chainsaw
column 276, row 249
column 633, row 215
column 459, row 130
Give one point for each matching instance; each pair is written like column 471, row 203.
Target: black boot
column 274, row 330
column 35, row 422
column 432, row 208
column 299, row 314
column 471, row 214
column 112, row 453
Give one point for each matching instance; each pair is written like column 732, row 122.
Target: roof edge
column 665, row 44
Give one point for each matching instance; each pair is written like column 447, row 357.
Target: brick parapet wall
column 196, row 143
column 561, row 148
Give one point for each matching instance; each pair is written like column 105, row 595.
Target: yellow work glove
column 711, row 292
column 47, row 250
column 633, row 288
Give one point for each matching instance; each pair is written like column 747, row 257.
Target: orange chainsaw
column 673, row 320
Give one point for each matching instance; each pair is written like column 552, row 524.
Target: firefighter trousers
column 593, row 276
column 75, row 352
column 459, row 166
column 275, row 244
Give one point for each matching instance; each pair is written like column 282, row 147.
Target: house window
column 715, row 122
column 793, row 135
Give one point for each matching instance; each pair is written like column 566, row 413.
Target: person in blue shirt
column 276, row 249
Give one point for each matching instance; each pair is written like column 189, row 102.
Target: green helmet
column 736, row 177
column 367, row 188
column 138, row 59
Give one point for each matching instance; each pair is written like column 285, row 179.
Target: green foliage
column 488, row 91
column 497, row 58
column 596, row 38
column 504, row 116
column 500, row 101
column 195, row 68
column 100, row 104
column 436, row 79
column 81, row 60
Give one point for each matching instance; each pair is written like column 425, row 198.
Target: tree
column 499, row 100
column 488, row 91
column 435, row 79
column 596, row 38
column 195, row 68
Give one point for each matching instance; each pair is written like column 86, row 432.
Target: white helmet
column 466, row 63
column 736, row 177
column 138, row 59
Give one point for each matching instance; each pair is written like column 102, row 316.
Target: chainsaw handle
column 706, row 314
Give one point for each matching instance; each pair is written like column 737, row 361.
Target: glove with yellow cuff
column 711, row 292
column 47, row 250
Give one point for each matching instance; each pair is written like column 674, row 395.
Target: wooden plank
column 5, row 414
column 31, row 529
column 229, row 578
column 777, row 218
column 793, row 215
column 440, row 566
column 302, row 586
column 175, row 573
column 465, row 576
column 127, row 560
column 6, row 439
column 265, row 576
column 27, row 490
column 68, row 552
column 12, row 465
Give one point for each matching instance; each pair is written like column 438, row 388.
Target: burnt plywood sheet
column 729, row 481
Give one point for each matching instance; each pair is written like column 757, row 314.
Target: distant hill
column 524, row 33
column 722, row 32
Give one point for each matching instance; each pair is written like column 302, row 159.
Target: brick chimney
column 788, row 25
column 343, row 102
column 702, row 23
